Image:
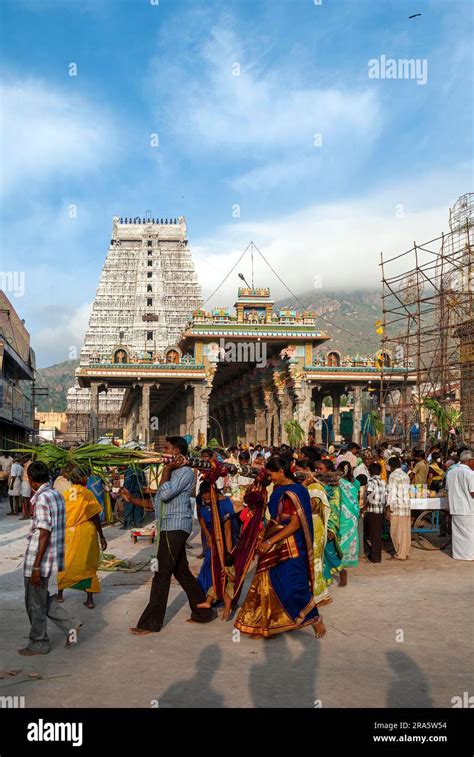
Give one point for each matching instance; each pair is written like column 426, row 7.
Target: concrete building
column 17, row 370
column 51, row 426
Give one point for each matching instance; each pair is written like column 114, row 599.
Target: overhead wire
column 253, row 246
column 227, row 275
column 326, row 320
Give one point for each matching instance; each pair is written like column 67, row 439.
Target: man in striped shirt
column 44, row 555
column 174, row 513
column 398, row 503
column 373, row 518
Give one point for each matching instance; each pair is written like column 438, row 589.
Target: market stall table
column 426, row 526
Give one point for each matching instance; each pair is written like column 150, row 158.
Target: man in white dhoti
column 460, row 484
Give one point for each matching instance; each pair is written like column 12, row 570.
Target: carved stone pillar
column 239, row 419
column 303, row 408
column 133, row 419
column 144, row 427
column 201, row 412
column 182, row 415
column 260, row 426
column 189, row 409
column 286, row 412
column 271, row 416
column 284, row 403
column 233, row 420
column 259, row 411
column 336, row 414
column 357, row 414
column 249, row 418
column 318, row 412
column 94, row 411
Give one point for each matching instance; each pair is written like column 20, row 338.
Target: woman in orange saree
column 280, row 597
column 83, row 532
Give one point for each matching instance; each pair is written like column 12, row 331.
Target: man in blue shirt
column 174, row 514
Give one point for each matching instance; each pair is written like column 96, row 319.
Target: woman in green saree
column 320, row 514
column 332, row 557
column 350, row 512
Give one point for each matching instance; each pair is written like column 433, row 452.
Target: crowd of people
column 15, row 483
column 302, row 518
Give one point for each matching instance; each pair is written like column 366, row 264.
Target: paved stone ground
column 358, row 664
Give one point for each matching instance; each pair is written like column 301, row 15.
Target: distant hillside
column 348, row 317
column 58, row 378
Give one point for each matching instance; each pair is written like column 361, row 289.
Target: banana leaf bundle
column 88, row 458
column 108, row 562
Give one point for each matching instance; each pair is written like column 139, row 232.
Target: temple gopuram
column 229, row 374
column 146, row 290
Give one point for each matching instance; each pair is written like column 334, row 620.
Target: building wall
column 49, row 420
column 13, row 329
column 16, row 375
column 78, row 415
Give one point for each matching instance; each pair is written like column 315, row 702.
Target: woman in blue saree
column 229, row 526
column 280, row 597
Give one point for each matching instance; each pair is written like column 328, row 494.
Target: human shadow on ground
column 284, row 678
column 197, row 691
column 409, row 687
column 94, row 621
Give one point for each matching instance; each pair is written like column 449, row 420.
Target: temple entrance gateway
column 179, row 369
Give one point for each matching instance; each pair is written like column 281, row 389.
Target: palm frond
column 373, row 423
column 294, row 432
column 88, row 458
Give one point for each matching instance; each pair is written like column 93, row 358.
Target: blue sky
column 237, row 92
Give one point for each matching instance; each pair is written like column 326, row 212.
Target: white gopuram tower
column 147, row 291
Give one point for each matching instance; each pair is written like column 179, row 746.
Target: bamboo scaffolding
column 427, row 294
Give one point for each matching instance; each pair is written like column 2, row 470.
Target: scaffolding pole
column 427, row 300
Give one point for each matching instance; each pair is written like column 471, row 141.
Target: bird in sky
column 415, row 15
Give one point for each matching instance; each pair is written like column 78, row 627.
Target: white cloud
column 267, row 119
column 62, row 340
column 49, row 133
column 278, row 172
column 271, row 110
column 339, row 242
